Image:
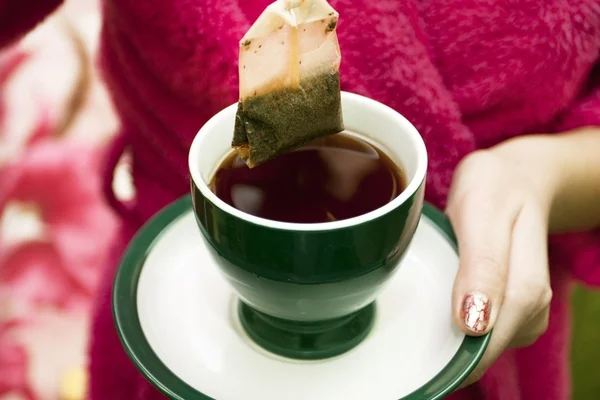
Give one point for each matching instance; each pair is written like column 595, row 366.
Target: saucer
column 178, row 322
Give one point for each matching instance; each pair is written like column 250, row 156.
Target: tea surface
column 330, row 179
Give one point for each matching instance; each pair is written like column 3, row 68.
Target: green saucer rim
column 131, row 335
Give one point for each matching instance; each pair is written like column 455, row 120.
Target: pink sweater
column 467, row 73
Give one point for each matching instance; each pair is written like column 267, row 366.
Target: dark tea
column 330, row 179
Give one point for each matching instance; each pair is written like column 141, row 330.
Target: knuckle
column 477, row 159
column 483, row 201
column 489, row 268
column 493, row 194
column 487, row 206
column 531, row 297
column 488, row 261
column 471, row 166
column 540, row 295
column 521, row 300
column 545, row 297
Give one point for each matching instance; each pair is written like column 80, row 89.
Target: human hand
column 499, row 207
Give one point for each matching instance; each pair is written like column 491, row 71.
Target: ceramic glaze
column 294, row 274
column 177, row 319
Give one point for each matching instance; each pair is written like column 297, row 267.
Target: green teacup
column 308, row 290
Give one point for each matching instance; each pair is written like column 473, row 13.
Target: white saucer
column 177, row 319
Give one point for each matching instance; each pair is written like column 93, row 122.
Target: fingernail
column 476, row 311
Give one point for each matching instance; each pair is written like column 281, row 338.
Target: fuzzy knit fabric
column 467, row 73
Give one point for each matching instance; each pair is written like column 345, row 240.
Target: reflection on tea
column 330, row 179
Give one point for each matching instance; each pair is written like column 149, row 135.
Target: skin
column 503, row 203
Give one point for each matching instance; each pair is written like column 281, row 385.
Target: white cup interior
column 373, row 121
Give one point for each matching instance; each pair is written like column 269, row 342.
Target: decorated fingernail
column 476, row 311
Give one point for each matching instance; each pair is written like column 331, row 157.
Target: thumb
column 483, row 231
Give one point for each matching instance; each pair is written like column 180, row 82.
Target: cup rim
column 411, row 188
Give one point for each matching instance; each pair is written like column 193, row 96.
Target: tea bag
column 289, row 80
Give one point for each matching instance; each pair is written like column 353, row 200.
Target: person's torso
column 513, row 66
column 510, row 66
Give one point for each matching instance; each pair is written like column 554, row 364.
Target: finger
column 525, row 310
column 507, row 325
column 529, row 279
column 483, row 224
column 531, row 330
column 513, row 329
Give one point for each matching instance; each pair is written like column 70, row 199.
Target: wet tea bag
column 289, row 81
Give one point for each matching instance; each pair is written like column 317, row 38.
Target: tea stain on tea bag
column 289, row 80
column 294, row 47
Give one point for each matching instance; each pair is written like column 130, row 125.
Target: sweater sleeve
column 413, row 86
column 170, row 65
column 168, row 43
column 580, row 252
column 584, row 112
column 17, row 17
column 175, row 55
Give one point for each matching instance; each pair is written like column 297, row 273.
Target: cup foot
column 307, row 340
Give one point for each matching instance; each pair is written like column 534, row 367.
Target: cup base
column 307, row 340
